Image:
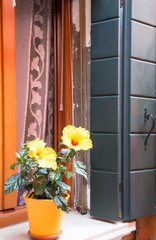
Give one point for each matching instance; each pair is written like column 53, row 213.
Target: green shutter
column 123, row 83
column 141, row 77
column 105, row 109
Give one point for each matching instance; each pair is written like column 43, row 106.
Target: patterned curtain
column 39, row 111
column 38, row 115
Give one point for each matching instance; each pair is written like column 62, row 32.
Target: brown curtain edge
column 63, row 117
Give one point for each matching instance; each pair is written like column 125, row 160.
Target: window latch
column 146, row 118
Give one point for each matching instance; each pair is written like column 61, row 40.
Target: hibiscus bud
column 17, row 155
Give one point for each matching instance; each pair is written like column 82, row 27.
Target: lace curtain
column 35, row 72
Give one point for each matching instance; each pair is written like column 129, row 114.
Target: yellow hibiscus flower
column 45, row 156
column 76, row 138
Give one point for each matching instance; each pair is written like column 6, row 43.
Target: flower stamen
column 74, row 142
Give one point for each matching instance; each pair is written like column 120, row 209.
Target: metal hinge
column 121, row 3
column 120, row 187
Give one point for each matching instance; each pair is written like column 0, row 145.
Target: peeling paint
column 76, row 14
column 88, row 22
column 81, row 88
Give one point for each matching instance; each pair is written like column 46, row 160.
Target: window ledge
column 77, row 227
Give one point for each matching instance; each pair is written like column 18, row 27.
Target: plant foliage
column 45, row 182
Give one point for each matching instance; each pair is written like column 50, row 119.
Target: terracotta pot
column 45, row 219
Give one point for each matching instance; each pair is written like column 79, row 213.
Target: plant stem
column 69, row 163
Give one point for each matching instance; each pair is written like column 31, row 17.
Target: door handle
column 146, row 118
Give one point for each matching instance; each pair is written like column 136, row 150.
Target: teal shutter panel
column 103, row 10
column 106, row 85
column 141, row 77
column 105, row 51
column 123, row 84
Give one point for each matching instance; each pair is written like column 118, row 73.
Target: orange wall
column 8, row 93
column 1, row 119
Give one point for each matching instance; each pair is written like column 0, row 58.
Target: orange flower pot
column 45, row 219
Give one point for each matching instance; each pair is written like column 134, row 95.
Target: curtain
column 35, row 72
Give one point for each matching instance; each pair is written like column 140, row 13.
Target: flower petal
column 36, row 145
column 85, row 144
column 76, row 138
column 48, row 152
column 47, row 163
column 48, row 158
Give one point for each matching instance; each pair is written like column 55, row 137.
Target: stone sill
column 75, row 227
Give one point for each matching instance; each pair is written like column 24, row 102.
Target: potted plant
column 42, row 173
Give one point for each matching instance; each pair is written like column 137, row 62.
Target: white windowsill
column 75, row 227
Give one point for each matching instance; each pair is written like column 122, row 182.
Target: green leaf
column 28, row 187
column 25, row 181
column 64, row 168
column 25, row 145
column 57, row 175
column 65, row 151
column 69, row 174
column 64, row 185
column 34, row 164
column 49, row 192
column 62, row 159
column 23, row 152
column 39, row 185
column 41, row 172
column 52, row 176
column 60, row 201
column 13, row 183
column 58, row 153
column 13, row 166
column 60, row 144
column 80, row 168
column 72, row 153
